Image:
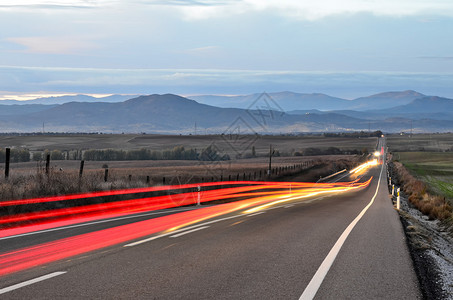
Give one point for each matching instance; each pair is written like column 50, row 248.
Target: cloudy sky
column 345, row 48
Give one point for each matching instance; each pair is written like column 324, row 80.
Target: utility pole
column 271, row 152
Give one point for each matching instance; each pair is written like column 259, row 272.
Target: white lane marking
column 288, row 206
column 179, row 230
column 28, row 282
column 312, row 288
column 190, row 231
column 93, row 223
column 207, row 223
column 255, row 214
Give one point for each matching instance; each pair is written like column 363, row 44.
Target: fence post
column 130, row 178
column 47, row 164
column 8, row 154
column 147, row 179
column 198, row 195
column 82, row 163
column 393, row 190
column 106, row 174
column 163, row 180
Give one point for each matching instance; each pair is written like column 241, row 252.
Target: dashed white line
column 255, row 214
column 179, row 230
column 190, row 231
column 312, row 288
column 29, row 282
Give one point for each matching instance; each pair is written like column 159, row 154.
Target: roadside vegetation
column 128, row 161
column 427, row 180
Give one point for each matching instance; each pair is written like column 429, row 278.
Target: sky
column 346, row 48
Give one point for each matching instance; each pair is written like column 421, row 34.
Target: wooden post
column 147, row 179
column 82, row 163
column 163, row 180
column 106, row 174
column 130, row 178
column 271, row 152
column 7, row 157
column 47, row 164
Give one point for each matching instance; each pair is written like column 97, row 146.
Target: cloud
column 201, row 50
column 439, row 58
column 215, row 81
column 53, row 45
column 313, row 10
column 56, row 4
column 299, row 9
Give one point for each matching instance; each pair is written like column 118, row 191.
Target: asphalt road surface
column 348, row 246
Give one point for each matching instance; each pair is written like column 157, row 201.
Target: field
column 229, row 144
column 421, row 142
column 434, row 168
column 28, row 179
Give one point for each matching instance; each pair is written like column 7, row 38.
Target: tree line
column 328, row 151
column 177, row 153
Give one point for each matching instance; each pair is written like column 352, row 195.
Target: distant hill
column 287, row 101
column 435, row 108
column 8, row 110
column 66, row 99
column 431, row 104
column 175, row 114
column 383, row 100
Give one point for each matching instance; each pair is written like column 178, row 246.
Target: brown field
column 225, row 143
column 28, row 179
column 421, row 142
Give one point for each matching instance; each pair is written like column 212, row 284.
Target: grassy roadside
column 28, row 181
column 427, row 179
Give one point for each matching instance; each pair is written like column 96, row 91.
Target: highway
column 346, row 245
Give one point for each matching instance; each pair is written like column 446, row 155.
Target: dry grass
column 434, row 206
column 29, row 180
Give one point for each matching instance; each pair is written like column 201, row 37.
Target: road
column 346, row 246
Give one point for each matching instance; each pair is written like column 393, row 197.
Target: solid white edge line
column 312, row 288
column 93, row 223
column 29, row 282
column 190, row 231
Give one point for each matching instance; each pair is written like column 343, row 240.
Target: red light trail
column 258, row 196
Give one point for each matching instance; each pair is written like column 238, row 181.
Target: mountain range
column 284, row 112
